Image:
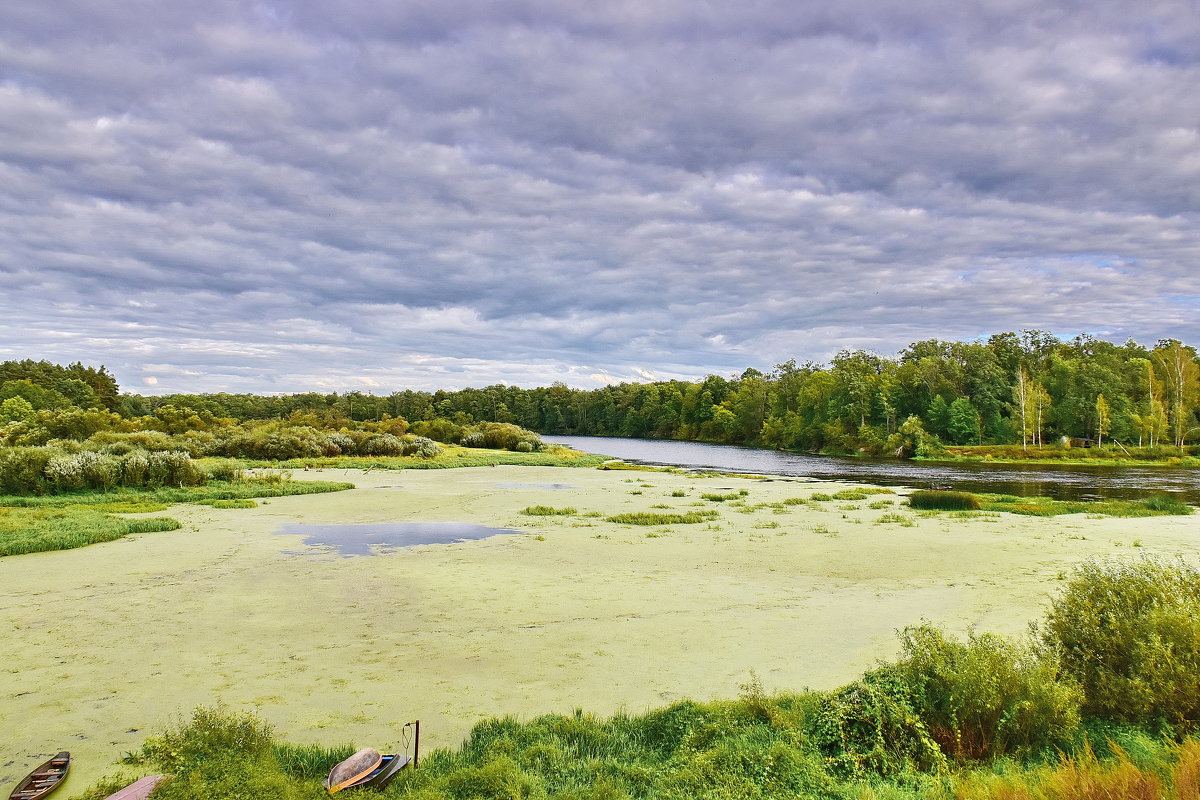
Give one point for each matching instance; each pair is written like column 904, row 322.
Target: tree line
column 1028, row 389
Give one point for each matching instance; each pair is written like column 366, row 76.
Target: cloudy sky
column 290, row 195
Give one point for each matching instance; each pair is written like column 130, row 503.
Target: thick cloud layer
column 282, row 196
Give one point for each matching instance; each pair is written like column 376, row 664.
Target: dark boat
column 43, row 780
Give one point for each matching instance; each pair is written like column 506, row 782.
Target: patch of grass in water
column 654, row 518
column 240, row 502
column 1157, row 505
column 721, row 498
column 34, row 530
column 548, row 511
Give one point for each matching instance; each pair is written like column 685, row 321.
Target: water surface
column 1063, row 482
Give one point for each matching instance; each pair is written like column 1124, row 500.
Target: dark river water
column 1061, row 482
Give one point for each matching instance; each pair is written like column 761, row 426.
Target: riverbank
column 575, row 611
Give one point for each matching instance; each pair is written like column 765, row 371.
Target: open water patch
column 374, row 538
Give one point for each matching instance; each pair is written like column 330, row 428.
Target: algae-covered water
column 109, row 643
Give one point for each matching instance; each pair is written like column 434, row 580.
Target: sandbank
column 111, row 643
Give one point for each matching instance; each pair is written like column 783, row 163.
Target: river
column 1062, row 482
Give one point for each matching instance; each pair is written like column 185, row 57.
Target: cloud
column 277, row 196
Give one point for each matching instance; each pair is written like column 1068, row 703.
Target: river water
column 1062, row 482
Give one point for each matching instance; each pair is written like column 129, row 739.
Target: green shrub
column 869, row 727
column 1129, row 633
column 987, row 696
column 936, row 500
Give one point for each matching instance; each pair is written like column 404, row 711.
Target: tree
column 1177, row 364
column 962, row 421
column 1103, row 418
column 1023, row 405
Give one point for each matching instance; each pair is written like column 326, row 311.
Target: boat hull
column 43, row 780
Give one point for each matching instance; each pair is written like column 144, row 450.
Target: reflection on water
column 370, row 539
column 1063, row 482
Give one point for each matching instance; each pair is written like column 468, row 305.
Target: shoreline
column 573, row 612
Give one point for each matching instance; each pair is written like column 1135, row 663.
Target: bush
column 870, row 727
column 384, row 444
column 987, row 696
column 421, row 447
column 1129, row 633
column 934, row 500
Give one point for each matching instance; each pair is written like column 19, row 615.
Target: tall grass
column 657, row 518
column 33, row 530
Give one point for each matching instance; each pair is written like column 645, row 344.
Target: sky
column 339, row 195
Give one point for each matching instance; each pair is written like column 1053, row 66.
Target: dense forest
column 1029, row 389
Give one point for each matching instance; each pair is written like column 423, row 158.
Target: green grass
column 938, row 500
column 1153, row 506
column 721, row 498
column 548, row 511
column 214, row 490
column 34, row 530
column 236, row 503
column 649, row 518
column 65, row 521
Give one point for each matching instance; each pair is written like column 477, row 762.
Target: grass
column 65, row 521
column 721, row 498
column 272, row 486
column 34, row 530
column 548, row 511
column 1153, row 506
column 937, row 500
column 1056, row 454
column 654, row 518
column 757, row 746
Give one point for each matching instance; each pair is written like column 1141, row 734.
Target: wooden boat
column 138, row 790
column 353, row 770
column 43, row 780
column 368, row 769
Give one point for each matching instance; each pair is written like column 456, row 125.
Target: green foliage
column 987, row 696
column 870, row 727
column 937, row 500
column 1129, row 633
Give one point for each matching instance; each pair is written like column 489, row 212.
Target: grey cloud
column 279, row 195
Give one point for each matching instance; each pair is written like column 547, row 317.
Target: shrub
column 384, row 444
column 935, row 500
column 421, row 447
column 987, row 696
column 870, row 727
column 1129, row 633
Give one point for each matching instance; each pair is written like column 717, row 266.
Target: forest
column 1028, row 390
